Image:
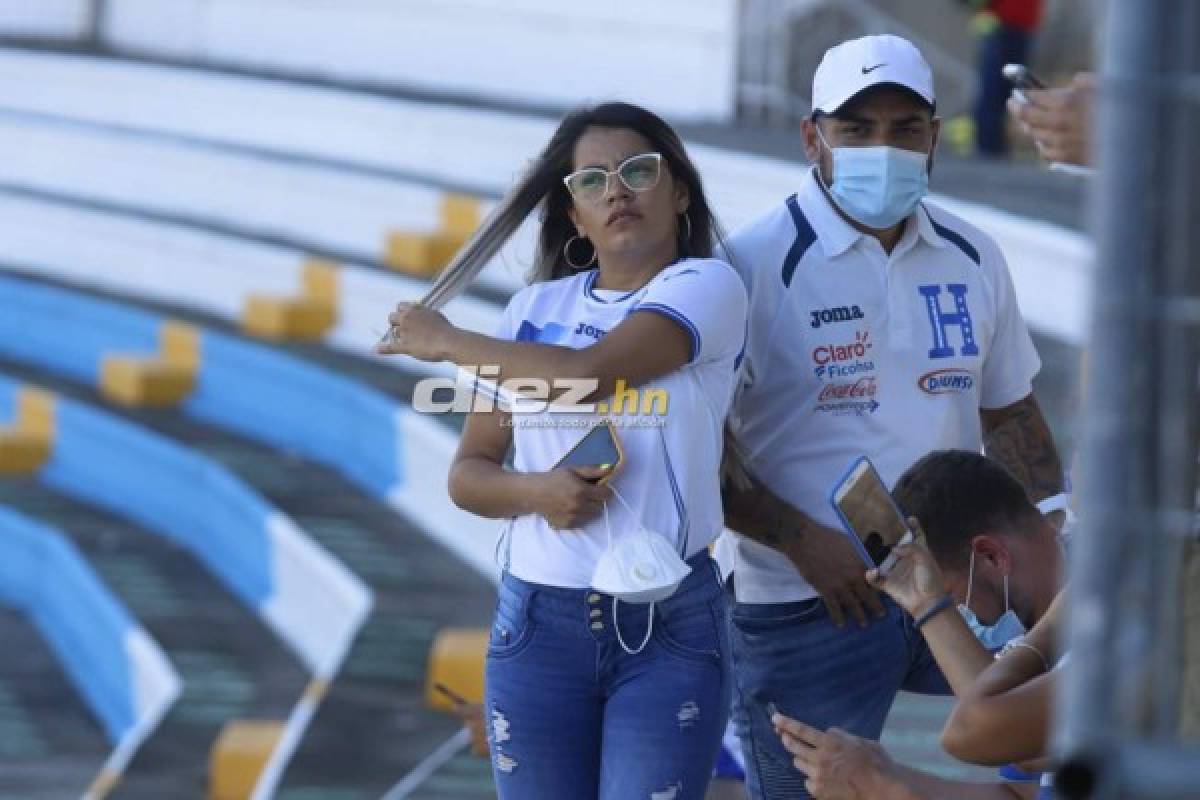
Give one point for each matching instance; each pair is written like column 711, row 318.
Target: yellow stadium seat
column 180, row 345
column 307, row 317
column 280, row 318
column 158, row 381
column 28, row 441
column 143, row 382
column 22, row 453
column 460, row 215
column 239, row 755
column 456, row 661
column 425, row 253
column 35, row 412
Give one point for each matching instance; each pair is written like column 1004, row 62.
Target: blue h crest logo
column 940, row 320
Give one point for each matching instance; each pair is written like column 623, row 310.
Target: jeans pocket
column 694, row 632
column 751, row 618
column 512, row 626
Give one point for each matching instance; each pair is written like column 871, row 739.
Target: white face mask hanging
column 641, row 566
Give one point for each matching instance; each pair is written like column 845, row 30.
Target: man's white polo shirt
column 851, row 351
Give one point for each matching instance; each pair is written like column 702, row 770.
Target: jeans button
column 593, row 598
column 595, row 613
column 597, row 626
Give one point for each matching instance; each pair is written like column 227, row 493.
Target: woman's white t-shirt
column 670, row 475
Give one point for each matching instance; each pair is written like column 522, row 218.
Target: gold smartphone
column 869, row 514
column 599, row 447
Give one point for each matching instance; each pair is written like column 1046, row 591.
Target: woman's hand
column 914, row 582
column 568, row 498
column 418, row 332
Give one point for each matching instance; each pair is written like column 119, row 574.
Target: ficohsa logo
column 946, row 381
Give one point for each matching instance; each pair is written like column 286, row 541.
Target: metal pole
column 1118, row 441
column 443, row 755
column 1179, row 329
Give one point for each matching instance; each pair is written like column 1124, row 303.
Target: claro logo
column 946, row 381
column 837, row 353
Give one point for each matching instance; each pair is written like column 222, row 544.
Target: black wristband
column 937, row 608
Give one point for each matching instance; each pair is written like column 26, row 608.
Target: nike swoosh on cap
column 872, row 69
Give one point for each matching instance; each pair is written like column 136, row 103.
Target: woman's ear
column 574, row 217
column 683, row 198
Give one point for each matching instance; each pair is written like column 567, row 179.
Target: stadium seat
column 27, row 442
column 156, row 381
column 456, row 661
column 238, row 756
column 426, row 253
column 307, row 317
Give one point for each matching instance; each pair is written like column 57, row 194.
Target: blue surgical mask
column 1002, row 631
column 877, row 186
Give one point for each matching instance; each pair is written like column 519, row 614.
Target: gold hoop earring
column 567, row 254
column 685, row 245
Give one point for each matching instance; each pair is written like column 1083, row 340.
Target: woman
column 588, row 696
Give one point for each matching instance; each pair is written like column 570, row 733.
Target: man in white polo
column 879, row 325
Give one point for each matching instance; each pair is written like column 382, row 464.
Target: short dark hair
column 957, row 494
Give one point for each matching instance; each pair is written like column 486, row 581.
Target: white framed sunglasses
column 639, row 173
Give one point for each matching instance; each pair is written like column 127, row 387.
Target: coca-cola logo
column 861, row 389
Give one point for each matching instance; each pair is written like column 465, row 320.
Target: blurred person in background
column 985, row 548
column 587, row 696
column 1059, row 120
column 879, row 324
column 1006, row 29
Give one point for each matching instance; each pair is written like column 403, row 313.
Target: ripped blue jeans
column 572, row 715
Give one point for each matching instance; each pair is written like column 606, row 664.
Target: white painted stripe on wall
column 423, row 498
column 156, row 688
column 317, row 604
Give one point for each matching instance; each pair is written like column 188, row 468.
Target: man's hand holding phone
column 914, row 580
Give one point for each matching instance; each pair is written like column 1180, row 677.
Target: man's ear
column 811, row 139
column 990, row 549
column 937, row 132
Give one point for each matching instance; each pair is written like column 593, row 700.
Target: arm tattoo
column 1018, row 437
column 758, row 514
column 752, row 509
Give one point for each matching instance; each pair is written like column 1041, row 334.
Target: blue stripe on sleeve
column 955, row 238
column 679, row 318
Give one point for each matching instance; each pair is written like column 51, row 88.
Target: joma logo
column 838, row 314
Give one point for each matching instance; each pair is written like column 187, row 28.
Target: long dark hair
column 543, row 185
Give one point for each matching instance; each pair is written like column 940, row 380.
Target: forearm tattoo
column 755, row 511
column 1019, row 438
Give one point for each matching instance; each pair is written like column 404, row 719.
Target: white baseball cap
column 850, row 67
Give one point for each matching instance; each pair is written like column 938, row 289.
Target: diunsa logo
column 946, row 381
